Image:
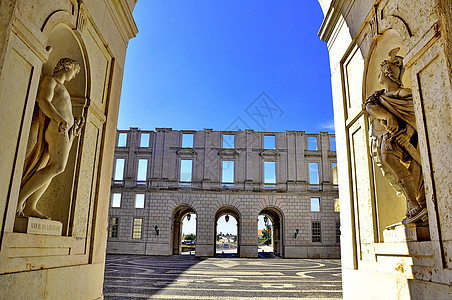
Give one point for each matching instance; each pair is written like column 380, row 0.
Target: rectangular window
column 312, row 143
column 144, row 140
column 187, row 140
column 116, row 200
column 269, row 142
column 186, row 167
column 337, row 206
column 119, row 169
column 122, row 139
column 338, row 232
column 313, row 173
column 333, row 143
column 113, row 228
column 228, row 141
column 315, row 204
column 137, row 224
column 139, row 201
column 334, row 168
column 316, row 232
column 270, row 174
column 142, row 170
column 228, row 171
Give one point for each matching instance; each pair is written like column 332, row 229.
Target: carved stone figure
column 57, row 129
column 395, row 135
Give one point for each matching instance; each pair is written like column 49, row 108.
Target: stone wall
column 206, row 195
column 360, row 35
column 34, row 36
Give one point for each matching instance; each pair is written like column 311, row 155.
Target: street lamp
column 296, row 233
column 156, row 228
column 188, row 217
column 265, row 220
column 227, row 218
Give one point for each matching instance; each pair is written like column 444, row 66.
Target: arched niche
column 57, row 201
column 389, row 200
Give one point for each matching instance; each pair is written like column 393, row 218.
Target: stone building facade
column 34, row 36
column 380, row 258
column 273, row 173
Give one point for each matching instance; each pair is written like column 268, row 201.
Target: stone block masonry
column 149, row 163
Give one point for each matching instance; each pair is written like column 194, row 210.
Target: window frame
column 141, row 139
column 192, row 145
column 227, row 183
column 115, row 167
column 184, row 182
column 316, row 233
column 113, row 228
column 338, row 232
column 119, row 140
column 269, row 185
column 223, row 141
column 311, row 184
column 316, row 144
column 144, row 200
column 319, row 208
column 135, row 226
column 138, row 169
column 274, row 141
column 113, row 199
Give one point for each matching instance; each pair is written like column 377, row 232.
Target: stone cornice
column 186, row 151
column 122, row 17
column 331, row 19
column 228, row 152
column 269, row 152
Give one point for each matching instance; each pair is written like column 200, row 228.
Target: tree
column 190, row 237
column 267, row 234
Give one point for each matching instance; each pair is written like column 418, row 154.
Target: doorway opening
column 270, row 226
column 184, row 231
column 227, row 232
column 265, row 236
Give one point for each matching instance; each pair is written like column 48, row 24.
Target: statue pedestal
column 38, row 226
column 406, row 233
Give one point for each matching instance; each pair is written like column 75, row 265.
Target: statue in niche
column 395, row 135
column 57, row 130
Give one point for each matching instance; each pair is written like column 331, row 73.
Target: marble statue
column 57, row 130
column 395, row 134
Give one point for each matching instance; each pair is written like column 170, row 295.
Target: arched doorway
column 272, row 219
column 227, row 232
column 184, row 237
column 265, row 236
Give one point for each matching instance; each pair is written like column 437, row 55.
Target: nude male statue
column 392, row 110
column 57, row 129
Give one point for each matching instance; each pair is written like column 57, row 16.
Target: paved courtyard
column 189, row 277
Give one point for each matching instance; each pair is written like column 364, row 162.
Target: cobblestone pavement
column 188, row 277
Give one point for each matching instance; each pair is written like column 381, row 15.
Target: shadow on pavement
column 130, row 274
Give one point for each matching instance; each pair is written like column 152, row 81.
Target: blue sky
column 227, row 65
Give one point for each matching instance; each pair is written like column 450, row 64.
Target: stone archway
column 179, row 213
column 276, row 217
column 232, row 212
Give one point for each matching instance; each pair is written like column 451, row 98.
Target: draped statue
column 395, row 135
